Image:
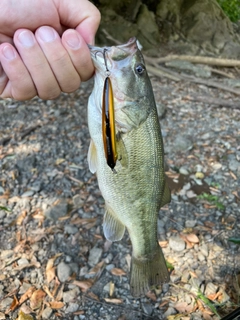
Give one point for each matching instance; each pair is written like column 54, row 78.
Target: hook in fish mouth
column 104, row 53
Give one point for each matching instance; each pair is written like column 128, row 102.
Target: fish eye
column 140, row 68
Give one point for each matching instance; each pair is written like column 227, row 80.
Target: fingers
column 43, row 64
column 15, row 80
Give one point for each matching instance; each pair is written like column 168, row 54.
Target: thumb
column 81, row 15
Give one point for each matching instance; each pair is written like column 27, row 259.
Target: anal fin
column 112, row 227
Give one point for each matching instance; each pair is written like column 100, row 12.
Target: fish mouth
column 101, row 54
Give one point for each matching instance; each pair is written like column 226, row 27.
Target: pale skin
column 43, row 46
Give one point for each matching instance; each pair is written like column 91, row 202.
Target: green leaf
column 169, row 265
column 4, row 209
column 234, row 240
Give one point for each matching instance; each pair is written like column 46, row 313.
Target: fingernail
column 47, row 34
column 73, row 40
column 8, row 52
column 26, row 38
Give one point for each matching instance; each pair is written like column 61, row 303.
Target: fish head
column 124, row 65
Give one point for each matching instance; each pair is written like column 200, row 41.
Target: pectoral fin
column 122, row 152
column 92, row 157
column 166, row 195
column 112, row 227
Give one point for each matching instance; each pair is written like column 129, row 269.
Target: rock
column 161, row 110
column 28, row 193
column 22, row 261
column 170, row 311
column 5, row 303
column 184, row 171
column 201, row 257
column 210, row 289
column 63, row 271
column 182, row 143
column 2, row 214
column 70, row 295
column 190, row 223
column 147, row 308
column 57, row 211
column 204, row 249
column 46, row 314
column 73, row 307
column 77, row 201
column 176, row 243
column 94, row 256
column 70, row 229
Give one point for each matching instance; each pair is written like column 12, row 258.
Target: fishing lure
column 108, row 121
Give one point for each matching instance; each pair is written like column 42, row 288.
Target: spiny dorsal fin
column 112, row 227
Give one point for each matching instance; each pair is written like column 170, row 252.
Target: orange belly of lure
column 108, row 124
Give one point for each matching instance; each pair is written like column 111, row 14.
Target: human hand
column 43, row 46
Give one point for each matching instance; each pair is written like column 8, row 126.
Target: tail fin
column 148, row 271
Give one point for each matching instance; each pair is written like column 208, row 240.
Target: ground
column 54, row 260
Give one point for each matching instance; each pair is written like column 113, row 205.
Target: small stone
column 184, row 171
column 94, row 256
column 57, row 211
column 22, row 261
column 147, row 308
column 190, row 223
column 77, row 201
column 107, row 287
column 185, row 276
column 170, row 311
column 204, row 249
column 63, row 271
column 201, row 256
column 24, row 287
column 70, row 229
column 70, row 295
column 110, row 267
column 210, row 289
column 176, row 244
column 2, row 214
column 6, row 303
column 175, row 277
column 46, row 314
column 73, row 307
column 28, row 193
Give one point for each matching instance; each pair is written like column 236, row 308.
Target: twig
column 161, row 73
column 200, row 59
column 216, row 101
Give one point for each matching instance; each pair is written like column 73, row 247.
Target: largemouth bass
column 135, row 189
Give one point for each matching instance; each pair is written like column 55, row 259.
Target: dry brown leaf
column 114, row 300
column 21, row 217
column 56, row 304
column 191, row 237
column 46, row 289
column 97, row 268
column 27, row 295
column 13, row 305
column 151, row 295
column 163, row 244
column 50, row 269
column 37, row 299
column 183, row 307
column 93, row 296
column 84, row 285
column 233, row 175
column 111, row 288
column 59, row 291
column 117, row 272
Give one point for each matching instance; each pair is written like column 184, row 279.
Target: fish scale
column 136, row 191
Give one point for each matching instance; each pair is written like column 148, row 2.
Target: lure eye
column 140, row 68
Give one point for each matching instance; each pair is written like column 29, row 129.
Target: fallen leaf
column 50, row 269
column 84, row 285
column 192, row 238
column 93, row 296
column 37, row 299
column 151, row 295
column 56, row 304
column 45, row 288
column 79, row 312
column 97, row 268
column 111, row 288
column 114, row 300
column 21, row 217
column 13, row 305
column 183, row 307
column 163, row 244
column 27, row 295
column 117, row 272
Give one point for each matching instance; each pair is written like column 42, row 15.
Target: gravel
column 52, row 240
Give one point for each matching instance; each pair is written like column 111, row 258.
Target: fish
column 134, row 186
